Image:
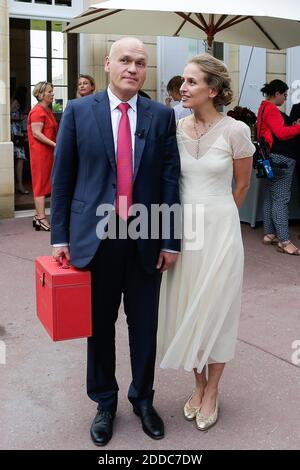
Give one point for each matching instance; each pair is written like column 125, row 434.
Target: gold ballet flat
column 203, row 423
column 190, row 411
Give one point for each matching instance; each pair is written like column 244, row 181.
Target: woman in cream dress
column 201, row 295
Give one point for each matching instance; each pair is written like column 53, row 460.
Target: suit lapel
column 144, row 117
column 102, row 114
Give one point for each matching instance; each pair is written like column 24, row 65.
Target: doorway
column 39, row 50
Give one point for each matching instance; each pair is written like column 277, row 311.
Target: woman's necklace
column 201, row 134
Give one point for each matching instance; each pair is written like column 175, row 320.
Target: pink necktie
column 124, row 164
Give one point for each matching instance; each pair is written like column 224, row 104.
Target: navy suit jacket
column 84, row 174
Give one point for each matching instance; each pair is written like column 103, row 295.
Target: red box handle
column 65, row 264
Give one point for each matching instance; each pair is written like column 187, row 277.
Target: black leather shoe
column 102, row 427
column 152, row 423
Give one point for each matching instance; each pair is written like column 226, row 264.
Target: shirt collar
column 114, row 101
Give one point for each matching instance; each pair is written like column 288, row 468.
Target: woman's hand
column 242, row 169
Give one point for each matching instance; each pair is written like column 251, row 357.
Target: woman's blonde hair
column 40, row 89
column 216, row 77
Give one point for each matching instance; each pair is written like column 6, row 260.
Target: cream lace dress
column 201, row 295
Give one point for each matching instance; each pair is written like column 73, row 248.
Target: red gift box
column 63, row 299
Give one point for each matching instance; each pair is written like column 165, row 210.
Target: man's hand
column 61, row 252
column 166, row 260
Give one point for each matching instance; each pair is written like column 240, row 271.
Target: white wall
column 172, row 55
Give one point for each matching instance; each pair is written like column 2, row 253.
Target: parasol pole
column 209, row 44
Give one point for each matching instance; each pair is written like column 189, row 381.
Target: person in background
column 173, row 89
column 18, row 117
column 295, row 113
column 85, row 85
column 295, row 118
column 174, row 98
column 279, row 137
column 144, row 94
column 42, row 129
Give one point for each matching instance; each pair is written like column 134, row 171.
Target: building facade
column 33, row 47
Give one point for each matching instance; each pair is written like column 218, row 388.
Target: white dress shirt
column 116, row 114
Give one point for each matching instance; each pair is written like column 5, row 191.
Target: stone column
column 6, row 146
column 233, row 65
column 93, row 49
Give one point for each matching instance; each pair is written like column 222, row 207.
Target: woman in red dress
column 42, row 130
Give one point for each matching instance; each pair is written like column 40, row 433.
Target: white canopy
column 272, row 24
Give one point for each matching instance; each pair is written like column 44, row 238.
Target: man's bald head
column 126, row 65
column 127, row 42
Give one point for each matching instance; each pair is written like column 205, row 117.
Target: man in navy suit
column 97, row 137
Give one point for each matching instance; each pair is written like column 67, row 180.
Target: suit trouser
column 277, row 198
column 115, row 270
